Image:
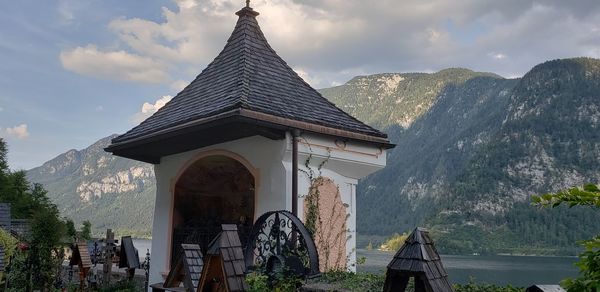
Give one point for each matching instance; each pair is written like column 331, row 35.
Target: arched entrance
column 213, row 190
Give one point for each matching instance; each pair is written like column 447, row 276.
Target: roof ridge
column 284, row 63
column 248, row 74
column 245, row 76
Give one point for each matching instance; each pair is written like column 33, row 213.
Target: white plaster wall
column 345, row 163
column 272, row 181
column 271, row 159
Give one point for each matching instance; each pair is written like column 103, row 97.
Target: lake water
column 502, row 270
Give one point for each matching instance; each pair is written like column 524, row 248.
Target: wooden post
column 109, row 244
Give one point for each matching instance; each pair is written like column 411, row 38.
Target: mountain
column 467, row 165
column 472, row 148
column 90, row 184
column 382, row 100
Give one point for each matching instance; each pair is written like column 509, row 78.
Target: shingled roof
column 227, row 245
column 248, row 79
column 417, row 258
column 187, row 270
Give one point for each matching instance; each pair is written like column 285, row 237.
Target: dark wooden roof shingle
column 418, row 258
column 248, row 77
column 187, row 270
column 81, row 255
column 228, row 245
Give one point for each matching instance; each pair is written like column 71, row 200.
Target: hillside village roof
column 247, row 90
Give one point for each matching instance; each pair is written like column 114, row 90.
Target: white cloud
column 150, row 108
column 20, row 132
column 116, row 65
column 179, row 85
column 498, row 56
column 65, row 12
column 304, row 75
column 328, row 37
column 99, row 108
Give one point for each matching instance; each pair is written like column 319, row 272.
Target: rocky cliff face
column 467, row 166
column 383, row 100
column 92, row 184
column 471, row 149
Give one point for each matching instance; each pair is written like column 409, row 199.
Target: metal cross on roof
column 247, row 3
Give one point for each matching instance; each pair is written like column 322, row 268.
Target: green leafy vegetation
column 471, row 149
column 36, row 262
column 589, row 260
column 394, row 242
column 475, row 287
column 282, row 281
column 257, row 282
column 354, row 281
column 374, row 282
column 108, row 191
column 467, row 164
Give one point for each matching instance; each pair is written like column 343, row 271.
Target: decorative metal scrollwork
column 281, row 235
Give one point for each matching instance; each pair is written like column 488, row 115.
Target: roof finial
column 247, row 11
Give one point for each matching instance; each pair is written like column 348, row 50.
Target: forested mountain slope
column 471, row 149
column 468, row 165
column 111, row 192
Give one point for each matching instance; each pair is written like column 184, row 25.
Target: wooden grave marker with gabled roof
column 224, row 263
column 187, row 271
column 81, row 258
column 128, row 256
column 417, row 258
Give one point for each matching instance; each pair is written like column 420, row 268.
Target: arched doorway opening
column 213, row 190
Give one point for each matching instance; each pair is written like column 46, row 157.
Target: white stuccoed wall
column 270, row 161
column 345, row 165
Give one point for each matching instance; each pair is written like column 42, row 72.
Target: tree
column 86, row 231
column 589, row 260
column 35, row 266
column 70, row 227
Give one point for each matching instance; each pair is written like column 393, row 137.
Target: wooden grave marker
column 109, row 252
column 417, row 258
column 187, row 270
column 81, row 258
column 224, row 266
column 128, row 256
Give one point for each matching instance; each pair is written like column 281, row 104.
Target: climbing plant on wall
column 325, row 216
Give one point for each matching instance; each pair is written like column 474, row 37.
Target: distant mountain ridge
column 471, row 148
column 90, row 184
column 467, row 165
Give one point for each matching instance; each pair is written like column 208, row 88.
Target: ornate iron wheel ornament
column 278, row 238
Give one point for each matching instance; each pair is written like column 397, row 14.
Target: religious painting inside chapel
column 212, row 191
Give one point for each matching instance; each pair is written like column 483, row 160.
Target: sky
column 75, row 71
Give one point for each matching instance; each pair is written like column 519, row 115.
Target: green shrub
column 474, row 287
column 354, row 281
column 257, row 282
column 394, row 242
column 121, row 286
